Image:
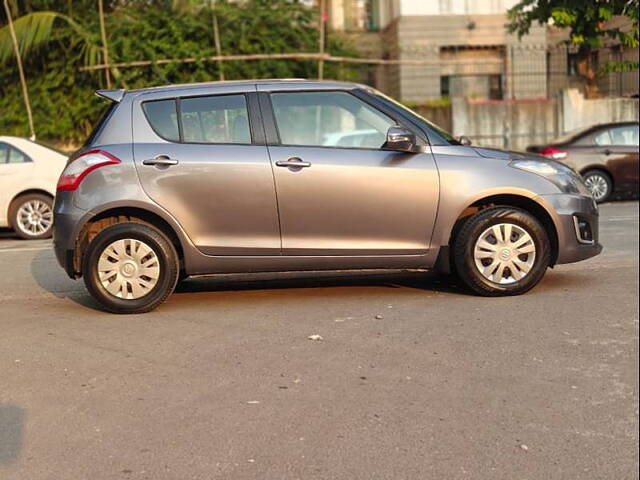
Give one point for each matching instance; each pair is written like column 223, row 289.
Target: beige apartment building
column 462, row 43
column 462, row 48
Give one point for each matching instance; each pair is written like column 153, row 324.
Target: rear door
column 618, row 148
column 339, row 192
column 202, row 157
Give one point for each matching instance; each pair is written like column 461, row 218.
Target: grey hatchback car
column 297, row 175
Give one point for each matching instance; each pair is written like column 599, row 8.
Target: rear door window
column 618, row 136
column 163, row 118
column 4, row 153
column 215, row 119
column 16, row 156
column 9, row 154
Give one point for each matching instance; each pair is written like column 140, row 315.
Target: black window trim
column 253, row 130
column 273, row 133
column 11, row 147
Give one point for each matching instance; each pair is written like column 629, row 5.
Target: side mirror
column 400, row 139
column 466, row 141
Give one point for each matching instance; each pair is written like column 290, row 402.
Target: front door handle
column 161, row 161
column 293, row 162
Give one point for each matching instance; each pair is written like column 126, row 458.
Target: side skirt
column 205, row 265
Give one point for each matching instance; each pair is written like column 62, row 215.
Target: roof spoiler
column 113, row 95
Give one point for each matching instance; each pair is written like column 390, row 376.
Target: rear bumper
column 66, row 218
column 567, row 211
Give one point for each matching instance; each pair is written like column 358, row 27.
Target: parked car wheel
column 501, row 251
column 130, row 268
column 599, row 183
column 31, row 216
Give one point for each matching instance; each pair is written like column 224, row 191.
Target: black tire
column 601, row 178
column 17, row 225
column 473, row 228
column 161, row 246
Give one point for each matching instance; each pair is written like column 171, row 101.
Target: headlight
column 562, row 176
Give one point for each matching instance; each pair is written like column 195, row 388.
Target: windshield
column 437, row 135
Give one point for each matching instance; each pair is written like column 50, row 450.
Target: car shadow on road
column 12, row 420
column 427, row 281
column 56, row 282
column 318, row 280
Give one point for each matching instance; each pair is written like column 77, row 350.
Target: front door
column 338, row 192
column 205, row 167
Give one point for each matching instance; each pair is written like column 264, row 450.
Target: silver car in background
column 255, row 176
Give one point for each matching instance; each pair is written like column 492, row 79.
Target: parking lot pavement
column 414, row 378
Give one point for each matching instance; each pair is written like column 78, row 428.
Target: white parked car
column 28, row 176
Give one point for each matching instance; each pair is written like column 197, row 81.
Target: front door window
column 329, row 119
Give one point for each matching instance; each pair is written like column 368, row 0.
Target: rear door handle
column 293, row 162
column 160, row 160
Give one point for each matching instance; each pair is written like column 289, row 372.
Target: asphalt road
column 223, row 382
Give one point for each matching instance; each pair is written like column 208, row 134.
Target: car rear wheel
column 599, row 184
column 130, row 268
column 501, row 251
column 32, row 216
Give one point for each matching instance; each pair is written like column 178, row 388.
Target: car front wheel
column 32, row 216
column 501, row 251
column 130, row 268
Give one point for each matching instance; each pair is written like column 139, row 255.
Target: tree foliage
column 57, row 38
column 589, row 25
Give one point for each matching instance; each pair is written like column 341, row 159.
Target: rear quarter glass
column 162, row 115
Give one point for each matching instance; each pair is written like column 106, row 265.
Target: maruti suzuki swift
column 297, row 175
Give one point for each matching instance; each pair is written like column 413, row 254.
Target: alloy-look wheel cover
column 504, row 253
column 597, row 185
column 128, row 269
column 34, row 218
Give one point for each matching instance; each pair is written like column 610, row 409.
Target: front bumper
column 569, row 212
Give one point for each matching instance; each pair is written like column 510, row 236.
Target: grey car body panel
column 352, row 209
column 467, row 178
column 117, row 129
column 355, row 201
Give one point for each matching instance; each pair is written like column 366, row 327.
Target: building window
column 495, row 87
column 572, row 64
column 444, row 86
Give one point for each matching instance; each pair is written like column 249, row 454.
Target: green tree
column 64, row 106
column 589, row 27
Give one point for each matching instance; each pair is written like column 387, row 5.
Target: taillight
column 552, row 152
column 82, row 166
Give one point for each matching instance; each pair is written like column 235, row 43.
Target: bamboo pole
column 23, row 81
column 216, row 40
column 289, row 56
column 105, row 47
column 321, row 30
